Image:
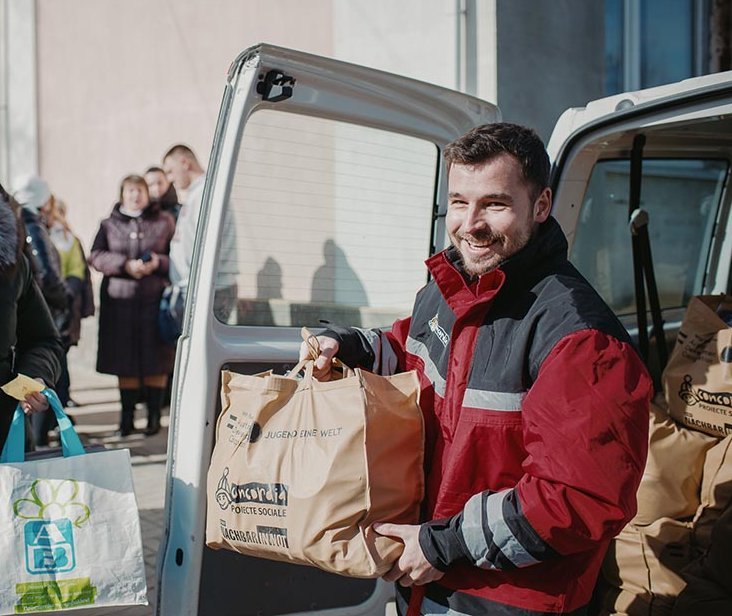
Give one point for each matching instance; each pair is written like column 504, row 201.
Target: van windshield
column 681, row 197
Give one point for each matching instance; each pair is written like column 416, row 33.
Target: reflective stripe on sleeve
column 487, row 534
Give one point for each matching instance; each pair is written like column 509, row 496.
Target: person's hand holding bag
column 323, row 350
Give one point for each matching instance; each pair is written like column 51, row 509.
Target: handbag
column 170, row 313
column 70, row 530
column 302, row 469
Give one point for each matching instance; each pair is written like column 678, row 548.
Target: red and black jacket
column 536, row 411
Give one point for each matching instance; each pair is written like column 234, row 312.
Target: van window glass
column 331, row 221
column 681, row 198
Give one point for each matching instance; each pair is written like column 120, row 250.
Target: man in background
column 187, row 176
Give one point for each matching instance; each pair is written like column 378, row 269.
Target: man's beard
column 502, row 247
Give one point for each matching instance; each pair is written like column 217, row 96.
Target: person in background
column 33, row 194
column 75, row 273
column 535, row 401
column 131, row 251
column 186, row 174
column 29, row 341
column 162, row 191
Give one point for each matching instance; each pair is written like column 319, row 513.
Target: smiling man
column 535, row 402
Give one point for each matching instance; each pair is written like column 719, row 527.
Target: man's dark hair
column 482, row 143
column 154, row 169
column 180, row 149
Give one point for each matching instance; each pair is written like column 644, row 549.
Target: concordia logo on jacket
column 441, row 334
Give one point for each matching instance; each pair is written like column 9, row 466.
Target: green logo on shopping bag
column 48, row 537
column 54, row 595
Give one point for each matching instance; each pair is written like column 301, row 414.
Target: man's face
column 177, row 171
column 491, row 214
column 157, row 184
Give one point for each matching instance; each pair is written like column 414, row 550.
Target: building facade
column 92, row 90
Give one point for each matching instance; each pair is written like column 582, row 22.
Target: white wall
column 18, row 125
column 120, row 82
column 410, row 37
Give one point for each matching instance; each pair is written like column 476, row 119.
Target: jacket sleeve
column 164, row 258
column 38, row 350
column 585, row 433
column 373, row 349
column 102, row 259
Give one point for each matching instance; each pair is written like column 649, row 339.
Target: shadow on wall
column 269, row 280
column 335, row 282
column 269, row 286
column 337, row 294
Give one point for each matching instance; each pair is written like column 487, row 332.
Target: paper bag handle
column 314, row 349
column 304, row 364
column 14, row 449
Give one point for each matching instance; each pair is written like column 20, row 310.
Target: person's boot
column 154, row 396
column 127, row 419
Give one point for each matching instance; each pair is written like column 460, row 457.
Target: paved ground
column 97, row 419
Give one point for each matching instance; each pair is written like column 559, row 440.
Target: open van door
column 682, row 138
column 324, row 195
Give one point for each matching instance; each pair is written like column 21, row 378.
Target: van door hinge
column 272, row 79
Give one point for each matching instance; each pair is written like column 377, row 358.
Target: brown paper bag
column 641, row 573
column 302, row 469
column 672, row 478
column 716, row 491
column 697, row 381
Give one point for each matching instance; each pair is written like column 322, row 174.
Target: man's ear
column 543, row 205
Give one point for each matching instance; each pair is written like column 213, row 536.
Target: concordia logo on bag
column 719, row 402
column 52, row 511
column 696, row 395
column 227, row 495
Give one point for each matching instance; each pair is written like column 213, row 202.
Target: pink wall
column 120, row 82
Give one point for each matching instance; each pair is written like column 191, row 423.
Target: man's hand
column 35, row 402
column 323, row 367
column 412, row 568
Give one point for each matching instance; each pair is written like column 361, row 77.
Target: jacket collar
column 545, row 249
column 148, row 212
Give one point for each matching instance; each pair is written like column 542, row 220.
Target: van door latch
column 275, row 79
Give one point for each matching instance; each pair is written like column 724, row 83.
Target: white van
column 329, row 179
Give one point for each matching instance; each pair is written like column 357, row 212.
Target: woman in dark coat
column 29, row 341
column 131, row 250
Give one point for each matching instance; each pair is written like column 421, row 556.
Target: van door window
column 682, row 199
column 331, row 221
